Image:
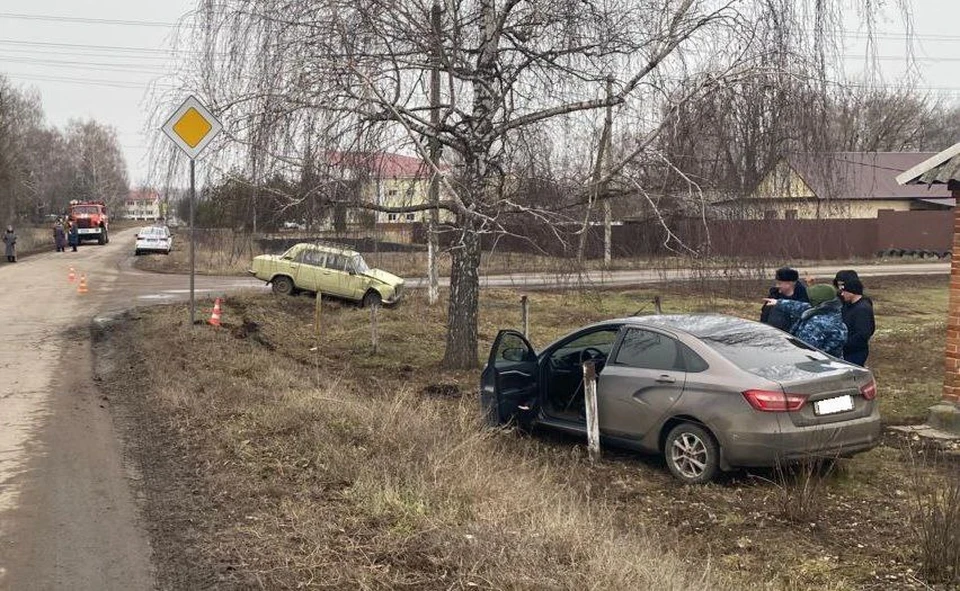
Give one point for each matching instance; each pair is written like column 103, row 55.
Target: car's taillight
column 774, row 401
column 869, row 390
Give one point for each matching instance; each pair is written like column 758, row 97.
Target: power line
column 146, row 50
column 83, row 81
column 86, row 20
column 103, row 66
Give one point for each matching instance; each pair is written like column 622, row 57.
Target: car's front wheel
column 371, row 299
column 282, row 285
column 692, row 454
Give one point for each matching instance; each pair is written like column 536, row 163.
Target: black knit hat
column 787, row 274
column 844, row 276
column 854, row 286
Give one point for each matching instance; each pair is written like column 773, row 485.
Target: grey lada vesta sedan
column 709, row 392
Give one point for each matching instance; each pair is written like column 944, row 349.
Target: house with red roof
column 386, row 179
column 840, row 185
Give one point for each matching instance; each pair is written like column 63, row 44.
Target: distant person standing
column 858, row 317
column 788, row 287
column 59, row 236
column 10, row 244
column 73, row 236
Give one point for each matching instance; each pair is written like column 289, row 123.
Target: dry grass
column 935, row 513
column 332, row 481
column 327, row 466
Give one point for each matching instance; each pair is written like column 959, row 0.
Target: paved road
column 67, row 516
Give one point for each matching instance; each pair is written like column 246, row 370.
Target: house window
column 790, row 214
column 392, row 193
column 410, row 217
column 392, row 217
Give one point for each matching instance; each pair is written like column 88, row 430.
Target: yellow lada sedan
column 331, row 270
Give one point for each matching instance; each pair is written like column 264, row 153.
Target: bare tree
column 357, row 71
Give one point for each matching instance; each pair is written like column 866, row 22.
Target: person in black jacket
column 858, row 316
column 843, row 276
column 789, row 287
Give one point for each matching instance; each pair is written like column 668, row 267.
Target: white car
column 154, row 239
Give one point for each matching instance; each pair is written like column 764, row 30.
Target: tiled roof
column 382, row 165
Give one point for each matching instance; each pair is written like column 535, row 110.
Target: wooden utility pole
column 433, row 290
column 525, row 315
column 606, row 135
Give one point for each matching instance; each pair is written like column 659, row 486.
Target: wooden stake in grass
column 590, row 400
column 316, row 315
column 374, row 333
column 656, row 305
column 525, row 315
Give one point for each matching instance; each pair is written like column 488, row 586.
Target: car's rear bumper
column 787, row 442
column 153, row 247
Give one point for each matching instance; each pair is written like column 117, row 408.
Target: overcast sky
column 96, row 58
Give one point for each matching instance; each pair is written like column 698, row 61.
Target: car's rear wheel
column 692, row 454
column 371, row 299
column 282, row 285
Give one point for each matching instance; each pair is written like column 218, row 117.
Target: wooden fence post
column 590, row 400
column 525, row 315
column 656, row 305
column 374, row 333
column 316, row 315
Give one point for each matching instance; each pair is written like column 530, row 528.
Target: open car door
column 508, row 384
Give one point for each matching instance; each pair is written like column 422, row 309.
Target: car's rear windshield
column 86, row 209
column 762, row 347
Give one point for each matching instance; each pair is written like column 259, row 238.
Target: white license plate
column 88, row 230
column 833, row 405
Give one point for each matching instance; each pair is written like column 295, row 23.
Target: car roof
column 326, row 248
column 697, row 325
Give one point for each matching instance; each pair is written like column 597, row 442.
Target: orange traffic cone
column 82, row 287
column 72, row 275
column 215, row 316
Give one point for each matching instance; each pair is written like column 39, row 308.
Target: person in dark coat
column 10, row 244
column 843, row 276
column 859, row 320
column 59, row 236
column 788, row 287
column 73, row 236
column 818, row 323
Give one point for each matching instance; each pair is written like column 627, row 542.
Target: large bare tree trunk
column 464, row 302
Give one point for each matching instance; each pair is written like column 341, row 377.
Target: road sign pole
column 193, row 240
column 192, row 127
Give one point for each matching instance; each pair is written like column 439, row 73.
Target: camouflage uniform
column 821, row 326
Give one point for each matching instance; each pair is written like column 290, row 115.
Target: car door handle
column 665, row 379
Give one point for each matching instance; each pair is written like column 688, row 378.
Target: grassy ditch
column 272, row 459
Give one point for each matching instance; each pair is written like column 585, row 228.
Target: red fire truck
column 91, row 220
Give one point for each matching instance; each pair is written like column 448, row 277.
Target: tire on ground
column 372, row 298
column 282, row 285
column 692, row 454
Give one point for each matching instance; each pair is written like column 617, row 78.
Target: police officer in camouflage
column 819, row 323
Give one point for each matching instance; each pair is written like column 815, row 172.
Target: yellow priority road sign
column 192, row 127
